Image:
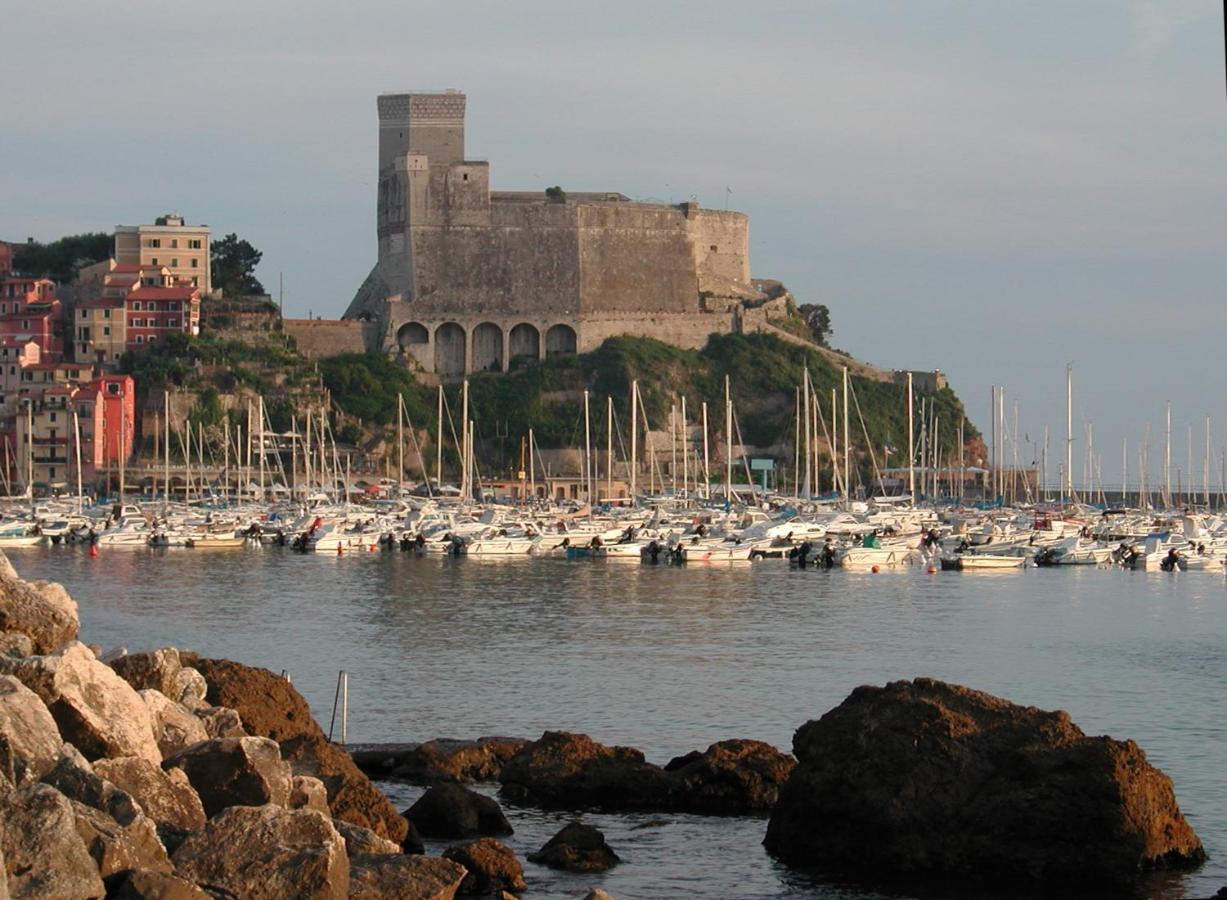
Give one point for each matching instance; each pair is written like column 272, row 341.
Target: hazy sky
column 991, row 188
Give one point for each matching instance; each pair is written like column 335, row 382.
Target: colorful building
column 153, row 313
column 183, row 249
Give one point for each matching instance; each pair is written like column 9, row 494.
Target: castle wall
column 320, row 338
column 634, row 258
column 721, row 243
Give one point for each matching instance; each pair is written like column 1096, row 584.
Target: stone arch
column 487, row 348
column 524, row 341
column 560, row 339
column 412, row 333
column 449, row 349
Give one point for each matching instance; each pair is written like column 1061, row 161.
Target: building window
column 713, row 248
column 113, row 388
column 154, row 260
column 193, row 244
column 82, row 314
column 174, row 263
column 173, row 306
column 106, row 330
column 140, row 338
column 136, row 306
column 195, row 281
column 154, row 242
column 51, row 418
column 25, row 324
column 172, row 323
column 51, row 472
column 194, row 261
column 174, row 243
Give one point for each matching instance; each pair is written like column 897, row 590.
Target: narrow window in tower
column 713, row 248
column 466, row 176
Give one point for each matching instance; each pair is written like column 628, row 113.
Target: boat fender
column 340, row 550
column 875, row 570
column 93, row 551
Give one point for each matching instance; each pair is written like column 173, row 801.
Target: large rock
column 492, row 867
column 29, row 738
column 733, row 777
column 95, row 709
column 576, row 848
column 220, row 721
column 384, row 877
column 42, row 610
column 925, row 778
column 74, row 777
column 308, row 793
column 270, row 707
column 44, row 856
column 267, row 853
column 117, row 848
column 175, row 728
column 453, row 811
column 163, row 671
column 247, row 771
column 165, row 795
column 144, row 884
column 564, row 770
column 443, row 759
column 359, row 840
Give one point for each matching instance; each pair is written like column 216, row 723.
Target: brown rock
column 453, row 811
column 165, row 795
column 175, row 728
column 116, row 848
column 308, row 793
column 29, row 738
column 926, row 778
column 733, row 777
column 220, row 721
column 442, row 759
column 154, row 670
column 597, row 894
column 247, row 771
column 143, row 884
column 95, row 709
column 16, row 644
column 576, row 848
column 492, row 867
column 383, row 877
column 267, row 853
column 359, row 840
column 43, row 853
column 42, row 610
column 270, row 707
column 564, row 770
column 76, row 779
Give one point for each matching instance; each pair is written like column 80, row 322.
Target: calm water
column 671, row 659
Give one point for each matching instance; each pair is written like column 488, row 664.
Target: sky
column 992, row 189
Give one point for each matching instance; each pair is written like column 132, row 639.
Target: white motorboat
column 982, row 561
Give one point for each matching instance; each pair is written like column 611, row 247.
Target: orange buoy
column 875, row 570
column 340, row 550
column 932, row 570
column 371, row 548
column 93, row 551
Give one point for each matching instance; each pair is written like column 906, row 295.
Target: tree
column 556, row 194
column 60, row 259
column 234, row 266
column 818, row 318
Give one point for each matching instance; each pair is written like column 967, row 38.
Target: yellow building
column 170, row 244
column 100, row 331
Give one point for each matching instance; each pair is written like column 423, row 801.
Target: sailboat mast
column 686, row 452
column 706, row 461
column 587, row 450
column 807, row 485
column 609, row 462
column 1068, row 487
column 847, row 449
column 728, row 443
column 634, row 438
column 911, row 449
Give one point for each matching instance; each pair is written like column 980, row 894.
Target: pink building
column 29, row 311
column 155, row 312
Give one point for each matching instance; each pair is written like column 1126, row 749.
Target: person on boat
column 871, row 541
column 653, row 551
column 677, row 555
column 803, row 553
column 1171, row 561
column 596, row 543
column 828, row 555
column 963, row 546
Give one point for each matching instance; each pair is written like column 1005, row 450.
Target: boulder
column 246, row 771
column 271, row 707
column 220, row 721
column 576, row 848
column 492, row 867
column 44, row 855
column 175, row 728
column 308, row 793
column 16, row 644
column 145, row 884
column 29, row 738
column 453, row 811
column 732, row 778
column 41, row 610
column 267, row 853
column 163, row 671
column 116, row 848
column 165, row 795
column 442, row 759
column 565, row 771
column 597, row 894
column 359, row 840
column 924, row 778
column 75, row 778
column 95, row 709
column 384, row 877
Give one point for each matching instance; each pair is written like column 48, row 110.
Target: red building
column 29, row 311
column 152, row 313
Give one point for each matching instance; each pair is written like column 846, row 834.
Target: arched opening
column 412, row 333
column 487, row 348
column 524, row 342
column 449, row 349
column 560, row 339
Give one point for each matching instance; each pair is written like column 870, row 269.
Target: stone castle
column 469, row 279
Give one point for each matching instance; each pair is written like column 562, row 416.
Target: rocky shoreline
column 169, row 775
